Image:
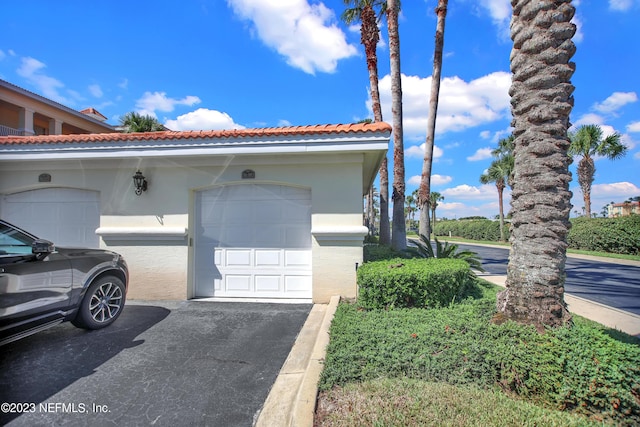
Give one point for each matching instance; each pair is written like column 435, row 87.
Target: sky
column 223, row 64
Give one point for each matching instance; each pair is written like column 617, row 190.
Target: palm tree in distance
column 365, row 12
column 541, row 102
column 425, row 182
column 498, row 173
column 135, row 122
column 399, row 234
column 504, row 153
column 588, row 142
column 409, row 202
column 434, row 198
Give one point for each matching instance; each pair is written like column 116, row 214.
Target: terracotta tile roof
column 93, row 112
column 203, row 134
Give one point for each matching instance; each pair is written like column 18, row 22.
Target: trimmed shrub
column 418, row 282
column 376, row 252
column 476, row 229
column 612, row 235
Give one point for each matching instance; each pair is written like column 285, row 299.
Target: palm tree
column 409, row 209
column 498, row 173
column 504, row 152
column 541, row 101
column 135, row 122
column 434, row 198
column 364, row 11
column 399, row 234
column 588, row 142
column 425, row 183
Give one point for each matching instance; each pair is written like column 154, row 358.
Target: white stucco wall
column 145, row 229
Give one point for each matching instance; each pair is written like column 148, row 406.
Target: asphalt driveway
column 183, row 363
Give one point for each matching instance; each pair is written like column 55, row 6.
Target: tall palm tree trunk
column 399, row 232
column 369, row 38
column 425, row 182
column 541, row 101
column 500, row 186
column 586, row 171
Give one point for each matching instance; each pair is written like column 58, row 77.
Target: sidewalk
column 291, row 401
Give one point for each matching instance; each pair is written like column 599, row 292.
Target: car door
column 33, row 290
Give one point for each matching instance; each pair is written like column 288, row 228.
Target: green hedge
column 377, row 252
column 476, row 229
column 417, row 282
column 613, row 235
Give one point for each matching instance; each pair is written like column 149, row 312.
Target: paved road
column 606, row 282
column 180, row 363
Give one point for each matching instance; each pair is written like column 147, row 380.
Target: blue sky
column 215, row 64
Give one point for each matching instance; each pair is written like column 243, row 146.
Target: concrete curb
column 292, row 399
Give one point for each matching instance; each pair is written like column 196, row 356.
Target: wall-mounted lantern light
column 139, row 183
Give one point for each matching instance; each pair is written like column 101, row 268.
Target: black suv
column 41, row 285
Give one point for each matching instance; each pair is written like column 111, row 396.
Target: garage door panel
column 298, row 259
column 251, row 229
column 265, row 283
column 267, row 258
column 297, row 284
column 238, row 258
column 238, row 283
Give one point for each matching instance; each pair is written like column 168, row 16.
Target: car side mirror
column 42, row 247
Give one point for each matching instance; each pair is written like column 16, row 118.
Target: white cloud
column 468, row 192
column 2, row 55
column 628, row 141
column 203, row 119
column 615, row 102
column 500, row 12
column 603, row 194
column 158, row 101
column 633, row 127
column 480, row 154
column 587, row 119
column 284, row 123
column 417, row 151
column 123, row 84
column 485, row 134
column 440, row 179
column 579, row 35
column 461, row 105
column 96, row 91
column 307, row 35
column 435, row 180
column 31, row 70
column 620, row 5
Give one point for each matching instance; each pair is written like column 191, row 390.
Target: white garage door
column 253, row 240
column 67, row 217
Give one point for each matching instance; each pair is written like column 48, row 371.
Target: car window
column 14, row 242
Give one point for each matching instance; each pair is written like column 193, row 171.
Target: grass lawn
column 452, row 366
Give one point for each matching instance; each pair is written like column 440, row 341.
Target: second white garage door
column 66, row 216
column 253, row 240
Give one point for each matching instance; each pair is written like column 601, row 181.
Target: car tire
column 102, row 303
